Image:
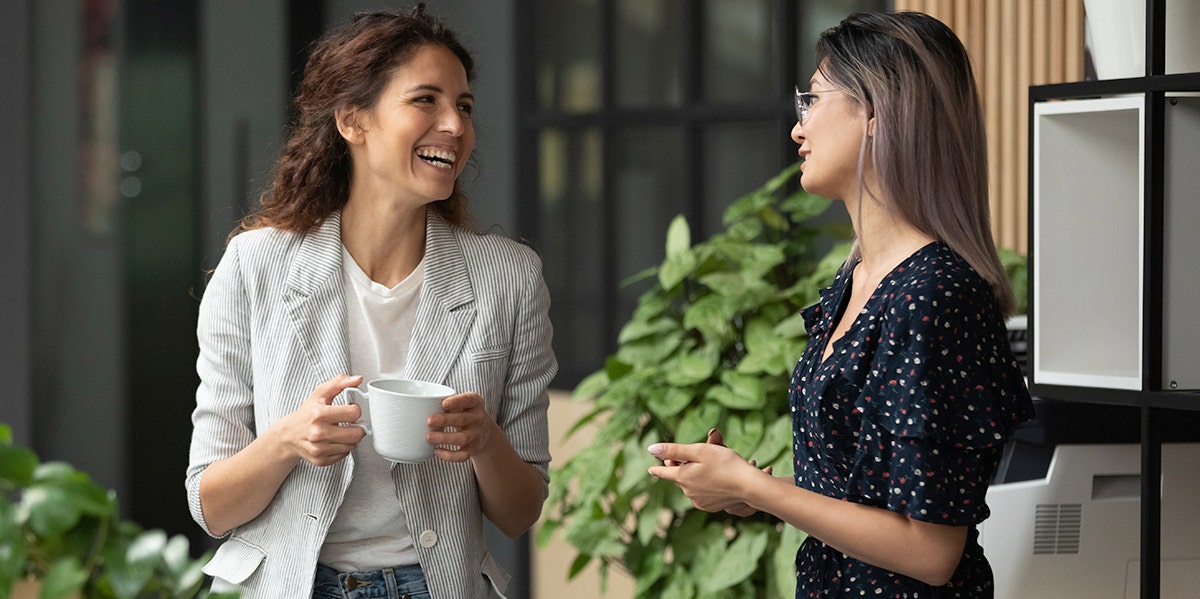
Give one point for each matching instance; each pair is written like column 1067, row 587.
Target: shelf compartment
column 1181, row 244
column 1088, row 230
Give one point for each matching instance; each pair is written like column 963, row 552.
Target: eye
column 467, row 108
column 424, row 100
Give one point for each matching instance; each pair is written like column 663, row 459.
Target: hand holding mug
column 400, row 411
column 463, row 429
column 314, row 432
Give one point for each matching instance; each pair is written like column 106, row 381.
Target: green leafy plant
column 711, row 343
column 1017, row 267
column 60, row 528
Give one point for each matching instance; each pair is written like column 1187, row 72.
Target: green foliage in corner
column 711, row 344
column 60, row 528
column 1017, row 267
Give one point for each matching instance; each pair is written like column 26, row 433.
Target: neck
column 885, row 239
column 387, row 241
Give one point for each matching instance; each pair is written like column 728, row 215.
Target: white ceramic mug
column 398, row 413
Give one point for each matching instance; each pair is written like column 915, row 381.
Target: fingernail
column 655, row 449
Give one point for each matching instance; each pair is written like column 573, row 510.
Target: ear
column 347, row 119
column 871, row 127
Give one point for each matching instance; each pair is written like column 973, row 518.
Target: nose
column 798, row 133
column 453, row 121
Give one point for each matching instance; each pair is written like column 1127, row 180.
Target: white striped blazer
column 273, row 325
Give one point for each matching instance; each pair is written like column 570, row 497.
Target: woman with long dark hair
column 907, row 391
column 362, row 260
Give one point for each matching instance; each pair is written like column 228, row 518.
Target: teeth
column 436, row 157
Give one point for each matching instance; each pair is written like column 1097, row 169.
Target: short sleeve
column 942, row 397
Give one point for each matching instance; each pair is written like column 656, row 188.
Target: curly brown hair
column 348, row 66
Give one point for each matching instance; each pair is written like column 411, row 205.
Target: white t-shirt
column 369, row 531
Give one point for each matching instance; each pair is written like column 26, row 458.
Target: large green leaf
column 679, row 237
column 596, row 536
column 693, row 428
column 744, row 433
column 650, row 351
column 785, row 560
column 190, row 579
column 12, row 550
column 735, row 563
column 596, row 466
column 634, row 465
column 747, row 390
column 710, row 315
column 641, row 329
column 692, row 367
column 670, row 402
column 676, row 268
column 16, row 466
column 679, row 586
column 127, row 578
column 65, row 577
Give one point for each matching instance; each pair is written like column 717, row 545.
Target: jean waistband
column 398, row 582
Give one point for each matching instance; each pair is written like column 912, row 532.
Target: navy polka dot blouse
column 909, row 413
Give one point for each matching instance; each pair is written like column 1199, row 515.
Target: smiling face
column 830, row 139
column 416, row 140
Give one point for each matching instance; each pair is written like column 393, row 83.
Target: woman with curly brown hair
column 362, row 260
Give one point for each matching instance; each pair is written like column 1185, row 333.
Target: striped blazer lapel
column 315, row 300
column 447, row 306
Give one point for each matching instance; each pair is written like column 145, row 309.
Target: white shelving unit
column 1088, row 179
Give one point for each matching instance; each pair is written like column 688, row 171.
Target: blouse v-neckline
column 829, row 348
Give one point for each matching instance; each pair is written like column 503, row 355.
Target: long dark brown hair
column 929, row 147
column 348, row 66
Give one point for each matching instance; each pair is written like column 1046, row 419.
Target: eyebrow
column 433, row 88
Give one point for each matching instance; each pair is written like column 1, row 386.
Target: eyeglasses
column 804, row 102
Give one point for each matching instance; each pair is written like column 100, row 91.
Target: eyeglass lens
column 804, row 101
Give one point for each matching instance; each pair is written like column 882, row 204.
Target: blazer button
column 428, row 539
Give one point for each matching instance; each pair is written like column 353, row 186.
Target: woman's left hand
column 464, row 424
column 712, row 476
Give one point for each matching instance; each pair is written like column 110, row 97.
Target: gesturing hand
column 712, row 476
column 464, row 428
column 716, row 438
column 314, row 432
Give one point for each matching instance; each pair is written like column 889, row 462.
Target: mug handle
column 350, row 392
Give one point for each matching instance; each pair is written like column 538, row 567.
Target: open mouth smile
column 443, row 159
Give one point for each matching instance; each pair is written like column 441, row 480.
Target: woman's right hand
column 237, row 489
column 316, row 431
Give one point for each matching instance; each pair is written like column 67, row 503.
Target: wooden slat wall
column 1013, row 44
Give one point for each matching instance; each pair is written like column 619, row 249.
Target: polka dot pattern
column 909, row 413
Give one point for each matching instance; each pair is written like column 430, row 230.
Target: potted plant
column 712, row 342
column 61, row 535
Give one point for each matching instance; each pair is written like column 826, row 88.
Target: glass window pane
column 813, row 18
column 738, row 158
column 647, row 195
column 647, row 52
column 567, row 55
column 571, row 245
column 741, row 49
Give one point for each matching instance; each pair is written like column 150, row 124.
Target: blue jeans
column 401, row 582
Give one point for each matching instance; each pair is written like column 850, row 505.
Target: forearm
column 927, row 552
column 237, row 489
column 510, row 489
